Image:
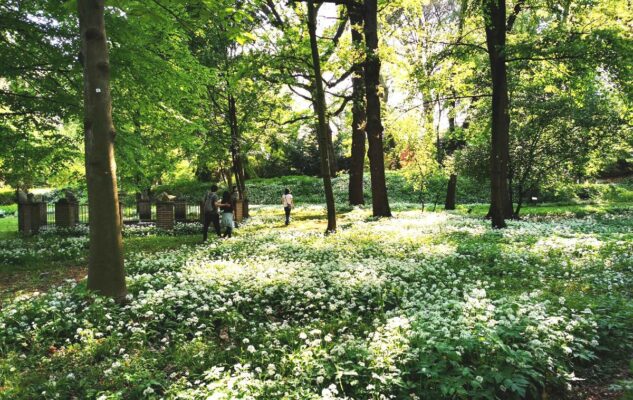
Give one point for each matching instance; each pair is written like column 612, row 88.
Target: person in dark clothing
column 227, row 214
column 288, row 202
column 211, row 215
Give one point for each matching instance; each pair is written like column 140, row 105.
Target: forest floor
column 423, row 305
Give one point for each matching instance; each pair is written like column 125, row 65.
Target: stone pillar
column 42, row 216
column 66, row 213
column 31, row 216
column 144, row 208
column 180, row 210
column 165, row 215
column 24, row 218
column 239, row 210
column 43, row 213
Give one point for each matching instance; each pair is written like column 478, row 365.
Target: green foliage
column 7, row 196
column 440, row 307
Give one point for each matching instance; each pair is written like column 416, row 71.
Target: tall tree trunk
column 228, row 173
column 328, row 138
column 519, row 201
column 451, row 193
column 359, row 119
column 236, row 153
column 380, row 201
column 106, row 274
column 495, row 17
column 451, row 190
column 322, row 126
column 331, row 152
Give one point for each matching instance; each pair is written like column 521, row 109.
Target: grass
column 428, row 303
column 8, row 227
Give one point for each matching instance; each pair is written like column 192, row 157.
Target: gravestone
column 31, row 214
column 67, row 210
column 165, row 212
column 66, row 213
column 143, row 207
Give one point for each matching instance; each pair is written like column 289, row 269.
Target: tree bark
column 359, row 118
column 331, row 152
column 451, row 193
column 451, row 190
column 236, row 153
column 380, row 201
column 328, row 138
column 495, row 17
column 322, row 125
column 106, row 274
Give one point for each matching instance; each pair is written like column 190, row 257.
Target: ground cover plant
column 424, row 305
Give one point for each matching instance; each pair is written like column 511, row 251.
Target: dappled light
column 431, row 303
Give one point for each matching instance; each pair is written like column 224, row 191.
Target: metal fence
column 129, row 213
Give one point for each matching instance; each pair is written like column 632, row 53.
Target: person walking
column 288, row 202
column 211, row 216
column 227, row 214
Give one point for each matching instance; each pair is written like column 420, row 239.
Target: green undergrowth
column 420, row 306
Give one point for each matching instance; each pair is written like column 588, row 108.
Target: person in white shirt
column 288, row 203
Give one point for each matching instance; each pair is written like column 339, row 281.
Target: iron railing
column 129, row 212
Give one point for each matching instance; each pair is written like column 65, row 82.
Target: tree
column 322, row 125
column 495, row 25
column 106, row 274
column 359, row 120
column 380, row 201
column 39, row 91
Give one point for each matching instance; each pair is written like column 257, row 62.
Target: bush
column 7, row 196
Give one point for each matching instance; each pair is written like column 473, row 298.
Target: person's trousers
column 287, row 210
column 211, row 218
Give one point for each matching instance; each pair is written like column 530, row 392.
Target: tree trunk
column 451, row 190
column 495, row 17
column 236, row 153
column 106, row 274
column 322, row 126
column 519, row 202
column 380, row 201
column 451, row 193
column 331, row 153
column 359, row 120
column 328, row 138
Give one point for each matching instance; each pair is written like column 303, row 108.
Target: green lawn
column 8, row 227
column 428, row 304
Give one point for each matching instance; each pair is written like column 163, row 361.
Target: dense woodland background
column 202, row 90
